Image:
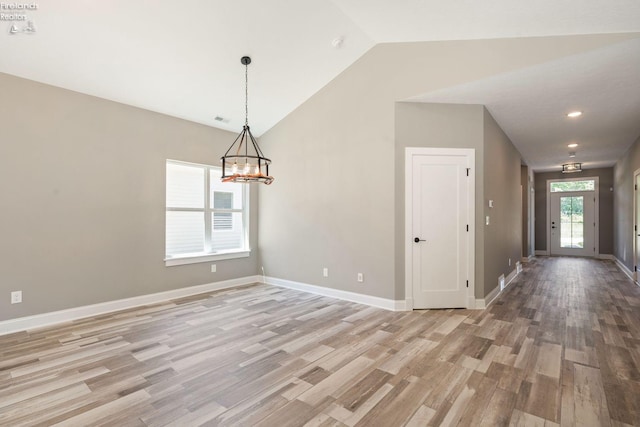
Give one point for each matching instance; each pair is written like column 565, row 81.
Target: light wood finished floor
column 560, row 347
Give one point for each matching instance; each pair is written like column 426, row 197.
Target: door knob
column 417, row 239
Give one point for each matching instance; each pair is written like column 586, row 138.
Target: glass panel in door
column 572, row 222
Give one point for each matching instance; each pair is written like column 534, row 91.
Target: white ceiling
column 420, row 20
column 183, row 59
column 531, row 106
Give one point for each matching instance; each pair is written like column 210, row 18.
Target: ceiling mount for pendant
column 244, row 161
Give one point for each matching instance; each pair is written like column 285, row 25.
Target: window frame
column 207, row 216
column 555, row 181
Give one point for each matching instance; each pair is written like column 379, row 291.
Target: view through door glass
column 572, row 222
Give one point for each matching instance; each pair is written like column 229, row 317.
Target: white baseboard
column 543, row 253
column 630, row 274
column 606, row 256
column 511, row 276
column 488, row 299
column 387, row 304
column 491, row 296
column 62, row 316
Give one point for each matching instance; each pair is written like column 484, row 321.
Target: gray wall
column 605, row 212
column 82, row 181
column 503, row 236
column 497, row 178
column 623, row 204
column 439, row 125
column 333, row 202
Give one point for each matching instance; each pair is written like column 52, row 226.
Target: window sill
column 198, row 258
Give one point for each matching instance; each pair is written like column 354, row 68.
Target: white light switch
column 490, row 203
column 488, row 221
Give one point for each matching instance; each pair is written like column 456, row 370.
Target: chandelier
column 244, row 161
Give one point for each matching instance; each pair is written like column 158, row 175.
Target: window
column 206, row 219
column 584, row 185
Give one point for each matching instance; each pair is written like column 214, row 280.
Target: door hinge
column 467, row 227
column 468, row 169
column 635, row 187
column 635, row 268
column 635, row 228
column 467, row 283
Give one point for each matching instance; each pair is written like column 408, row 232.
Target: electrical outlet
column 325, row 272
column 509, row 262
column 16, row 297
column 360, row 277
column 213, row 268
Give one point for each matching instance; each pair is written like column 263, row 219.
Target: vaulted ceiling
column 183, row 59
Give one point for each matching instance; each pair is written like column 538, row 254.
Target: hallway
column 583, row 318
column 560, row 346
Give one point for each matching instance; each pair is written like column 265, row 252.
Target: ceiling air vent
column 221, row 119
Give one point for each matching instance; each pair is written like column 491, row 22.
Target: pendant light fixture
column 244, row 162
column 571, row 167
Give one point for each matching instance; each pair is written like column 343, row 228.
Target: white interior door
column 440, row 239
column 636, row 227
column 572, row 223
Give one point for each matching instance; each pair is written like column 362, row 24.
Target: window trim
column 185, row 259
column 553, row 181
column 208, row 211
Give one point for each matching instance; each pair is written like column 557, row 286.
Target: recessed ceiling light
column 574, row 114
column 574, row 145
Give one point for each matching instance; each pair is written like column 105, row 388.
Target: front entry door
column 572, row 223
column 440, row 238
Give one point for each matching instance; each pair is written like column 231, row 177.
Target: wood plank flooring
column 561, row 346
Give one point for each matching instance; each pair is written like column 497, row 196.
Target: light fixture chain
column 246, row 94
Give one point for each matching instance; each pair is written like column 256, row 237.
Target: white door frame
column 408, row 217
column 596, row 218
column 636, row 255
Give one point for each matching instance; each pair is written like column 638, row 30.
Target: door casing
column 636, row 222
column 410, row 152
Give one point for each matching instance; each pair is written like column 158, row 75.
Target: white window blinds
column 203, row 215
